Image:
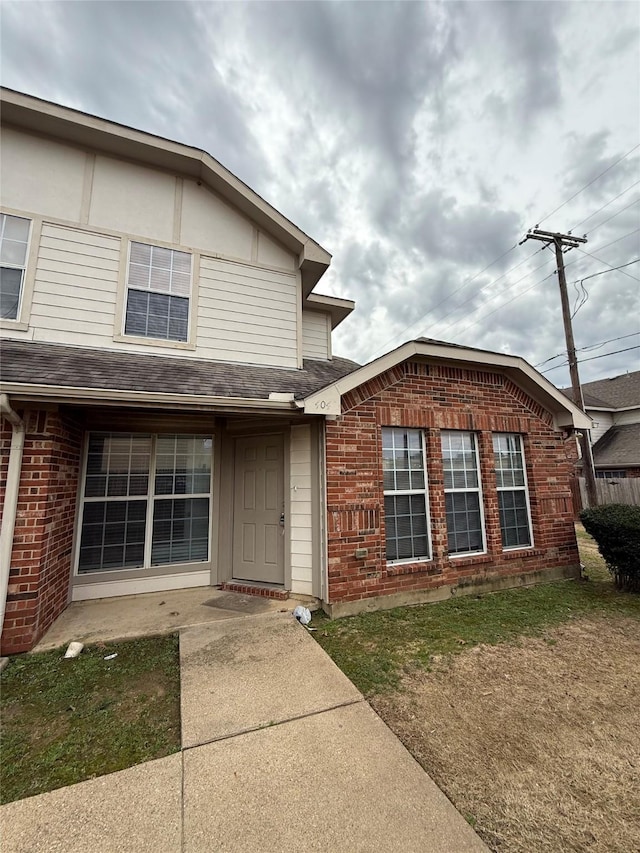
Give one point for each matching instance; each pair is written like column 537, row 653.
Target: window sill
column 14, row 325
column 426, row 567
column 154, row 342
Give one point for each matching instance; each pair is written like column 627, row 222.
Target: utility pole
column 562, row 243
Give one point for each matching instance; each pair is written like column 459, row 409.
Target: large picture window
column 463, row 498
column 14, row 242
column 513, row 497
column 146, row 501
column 158, row 293
column 405, row 495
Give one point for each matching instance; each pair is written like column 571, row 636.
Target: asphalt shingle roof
column 619, row 446
column 76, row 367
column 618, row 392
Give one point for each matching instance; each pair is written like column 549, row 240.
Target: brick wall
column 435, row 398
column 43, row 536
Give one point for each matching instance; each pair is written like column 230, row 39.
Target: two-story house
column 613, row 404
column 173, row 414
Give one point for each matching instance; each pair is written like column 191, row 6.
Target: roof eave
column 32, row 393
column 338, row 309
column 566, row 414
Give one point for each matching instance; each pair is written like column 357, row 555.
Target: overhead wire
column 587, row 348
column 469, row 281
column 606, row 204
column 592, row 181
column 591, row 358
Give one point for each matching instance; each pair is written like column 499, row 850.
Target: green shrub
column 616, row 529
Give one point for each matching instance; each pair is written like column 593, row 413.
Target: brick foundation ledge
column 472, row 586
column 261, row 590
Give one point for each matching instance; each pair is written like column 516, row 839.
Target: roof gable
column 84, row 130
column 328, row 400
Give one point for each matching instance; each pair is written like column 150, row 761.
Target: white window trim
column 462, row 554
column 149, row 498
column 18, row 322
column 524, row 488
column 120, row 335
column 427, row 509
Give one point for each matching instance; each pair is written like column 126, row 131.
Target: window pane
column 154, row 315
column 180, row 531
column 117, row 465
column 158, row 269
column 405, row 514
column 406, row 527
column 112, row 536
column 183, row 464
column 464, row 522
column 10, row 284
column 14, row 237
column 514, row 519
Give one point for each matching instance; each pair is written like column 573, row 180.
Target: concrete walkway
column 280, row 753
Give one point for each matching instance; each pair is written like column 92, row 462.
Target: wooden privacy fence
column 625, row 491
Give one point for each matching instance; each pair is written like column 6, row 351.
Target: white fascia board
column 112, row 397
column 338, row 309
column 564, row 411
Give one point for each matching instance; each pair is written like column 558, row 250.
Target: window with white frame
column 463, row 497
column 513, row 497
column 146, row 501
column 158, row 293
column 611, row 474
column 405, row 495
column 14, row 242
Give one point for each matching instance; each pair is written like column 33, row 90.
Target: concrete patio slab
column 242, row 674
column 151, row 613
column 334, row 781
column 136, row 809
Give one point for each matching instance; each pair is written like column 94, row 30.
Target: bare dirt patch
column 537, row 743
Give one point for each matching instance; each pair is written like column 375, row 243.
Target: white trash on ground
column 302, row 614
column 74, row 650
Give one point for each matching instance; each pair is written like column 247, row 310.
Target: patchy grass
column 524, row 705
column 69, row 720
column 376, row 649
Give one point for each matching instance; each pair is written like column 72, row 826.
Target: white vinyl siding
column 301, row 521
column 247, row 314
column 76, row 286
column 315, row 335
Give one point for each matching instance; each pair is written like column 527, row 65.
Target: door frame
column 226, row 495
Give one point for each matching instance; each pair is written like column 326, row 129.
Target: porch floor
column 152, row 613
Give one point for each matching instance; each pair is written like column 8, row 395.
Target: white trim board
column 133, row 586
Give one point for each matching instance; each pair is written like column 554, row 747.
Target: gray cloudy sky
column 415, row 141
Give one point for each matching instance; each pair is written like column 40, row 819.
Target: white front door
column 258, row 512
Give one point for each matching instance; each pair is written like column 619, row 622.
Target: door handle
column 281, row 519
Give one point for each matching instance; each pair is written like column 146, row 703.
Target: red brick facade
column 435, row 398
column 41, row 560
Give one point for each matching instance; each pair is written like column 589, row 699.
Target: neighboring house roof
column 617, row 392
column 618, row 447
column 85, row 130
column 327, row 400
column 33, row 370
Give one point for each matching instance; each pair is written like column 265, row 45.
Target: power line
column 592, row 358
column 611, row 200
column 608, row 169
column 622, row 210
column 590, row 347
column 613, row 269
column 526, row 290
column 466, row 283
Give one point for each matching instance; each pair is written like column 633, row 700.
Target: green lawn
column 374, row 649
column 69, row 720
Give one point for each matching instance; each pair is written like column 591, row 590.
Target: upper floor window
column 463, row 499
column 513, row 497
column 405, row 495
column 158, row 293
column 14, row 241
